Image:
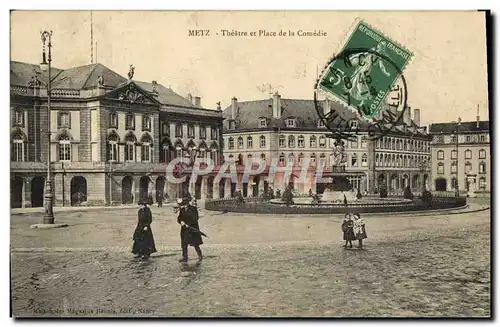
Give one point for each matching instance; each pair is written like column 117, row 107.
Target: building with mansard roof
column 290, row 130
column 461, row 156
column 111, row 137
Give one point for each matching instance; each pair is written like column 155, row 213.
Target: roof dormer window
column 262, row 122
column 290, row 122
column 354, row 123
column 232, row 124
column 321, row 123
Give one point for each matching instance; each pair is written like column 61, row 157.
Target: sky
column 446, row 79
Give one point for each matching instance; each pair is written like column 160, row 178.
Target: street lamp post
column 45, row 65
column 455, row 135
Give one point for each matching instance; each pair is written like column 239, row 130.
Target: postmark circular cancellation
column 367, row 79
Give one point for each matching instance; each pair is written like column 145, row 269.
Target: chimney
column 234, row 105
column 407, row 116
column 416, row 116
column 477, row 117
column 190, row 98
column 327, row 106
column 277, row 105
column 197, row 101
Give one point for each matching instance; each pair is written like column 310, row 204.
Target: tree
column 287, row 196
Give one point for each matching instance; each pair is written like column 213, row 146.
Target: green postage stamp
column 366, row 69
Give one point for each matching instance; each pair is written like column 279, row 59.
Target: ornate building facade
column 461, row 156
column 111, row 138
column 289, row 130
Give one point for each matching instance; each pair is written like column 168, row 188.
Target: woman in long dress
column 144, row 243
column 347, row 229
column 359, row 229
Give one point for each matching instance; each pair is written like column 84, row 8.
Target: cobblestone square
column 413, row 266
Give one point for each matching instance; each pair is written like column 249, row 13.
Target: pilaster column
column 216, row 191
column 227, row 188
column 204, row 187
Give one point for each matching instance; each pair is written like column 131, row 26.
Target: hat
column 144, row 202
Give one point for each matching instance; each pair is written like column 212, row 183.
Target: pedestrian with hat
column 190, row 229
column 144, row 243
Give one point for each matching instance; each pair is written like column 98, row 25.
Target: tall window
column 215, row 133
column 250, row 142
column 282, row 141
column 313, row 158
column 301, row 158
column 482, row 138
column 147, row 144
column 249, row 157
column 322, row 141
column 482, row 183
column 364, row 142
column 454, row 139
column 240, row 142
column 130, row 121
column 364, row 160
column 178, row 130
column 482, row 168
column 282, row 158
column 291, row 141
column 468, row 167
column 291, row 158
column 262, row 141
column 130, row 148
column 165, row 129
column 146, row 123
column 113, row 120
column 377, row 158
column 468, row 139
column 354, row 160
column 64, row 148
column 440, row 155
column 113, row 147
column 468, row 154
column 63, row 120
column 440, row 168
column 482, row 154
column 300, row 141
column 190, row 131
column 454, row 167
column 322, row 159
column 312, row 141
column 19, row 118
column 203, row 132
column 263, row 157
column 231, row 143
column 454, row 154
column 17, row 152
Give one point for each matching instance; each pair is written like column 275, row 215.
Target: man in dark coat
column 159, row 198
column 190, row 235
column 144, row 243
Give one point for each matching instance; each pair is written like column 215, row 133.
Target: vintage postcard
column 250, row 164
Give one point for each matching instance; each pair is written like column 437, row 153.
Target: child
column 347, row 229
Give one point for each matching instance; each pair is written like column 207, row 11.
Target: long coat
column 360, row 229
column 144, row 243
column 189, row 215
column 347, row 229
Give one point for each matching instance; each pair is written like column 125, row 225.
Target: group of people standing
column 144, row 244
column 353, row 228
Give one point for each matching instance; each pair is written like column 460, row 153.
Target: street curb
column 79, row 209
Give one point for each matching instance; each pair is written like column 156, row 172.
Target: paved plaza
column 255, row 265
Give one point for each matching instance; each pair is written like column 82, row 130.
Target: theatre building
column 111, row 137
column 289, row 130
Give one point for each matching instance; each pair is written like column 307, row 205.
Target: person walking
column 190, row 229
column 347, row 229
column 159, row 198
column 144, row 243
column 359, row 229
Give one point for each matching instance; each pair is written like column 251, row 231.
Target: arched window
column 231, row 143
column 113, row 120
column 263, row 157
column 364, row 142
column 291, row 158
column 166, row 150
column 377, row 158
column 130, row 141
column 322, row 141
column 64, row 148
column 313, row 158
column 17, row 152
column 240, row 142
column 300, row 141
column 113, row 140
column 354, row 160
column 249, row 142
column 262, row 141
column 179, row 146
column 178, row 130
column 202, row 151
column 312, row 141
column 364, row 160
column 282, row 141
column 322, row 159
column 468, row 167
column 291, row 141
column 440, row 155
column 249, row 156
column 282, row 158
column 301, row 158
column 214, row 153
